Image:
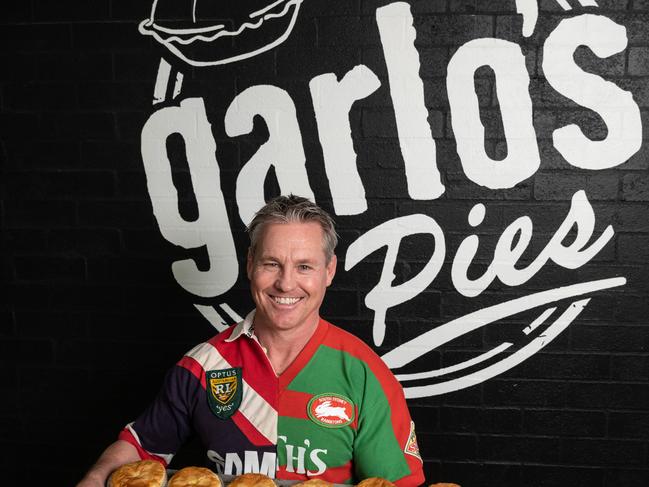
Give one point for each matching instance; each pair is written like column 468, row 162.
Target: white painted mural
column 332, row 99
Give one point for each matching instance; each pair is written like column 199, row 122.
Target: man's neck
column 283, row 346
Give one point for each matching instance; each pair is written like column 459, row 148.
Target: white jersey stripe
column 167, row 457
column 253, row 406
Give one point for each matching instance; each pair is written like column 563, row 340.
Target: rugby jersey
column 337, row 413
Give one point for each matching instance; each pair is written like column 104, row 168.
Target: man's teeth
column 279, row 300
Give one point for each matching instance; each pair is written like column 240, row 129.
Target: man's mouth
column 285, row 300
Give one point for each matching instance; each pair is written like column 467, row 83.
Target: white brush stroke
column 161, row 82
column 529, row 9
column 211, row 315
column 415, row 348
column 179, row 84
column 507, row 363
column 231, row 313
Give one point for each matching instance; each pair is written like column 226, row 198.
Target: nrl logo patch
column 331, row 410
column 224, row 391
column 411, row 445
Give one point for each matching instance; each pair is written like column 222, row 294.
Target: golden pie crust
column 252, row 480
column 194, row 477
column 376, row 482
column 145, row 473
column 314, row 483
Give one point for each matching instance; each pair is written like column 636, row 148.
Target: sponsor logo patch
column 331, row 410
column 411, row 445
column 224, row 391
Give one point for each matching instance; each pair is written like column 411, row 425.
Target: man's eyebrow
column 302, row 260
column 266, row 257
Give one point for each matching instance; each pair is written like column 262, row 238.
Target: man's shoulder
column 209, row 347
column 346, row 341
column 337, row 334
column 367, row 358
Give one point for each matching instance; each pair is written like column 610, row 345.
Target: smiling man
column 289, row 272
column 283, row 392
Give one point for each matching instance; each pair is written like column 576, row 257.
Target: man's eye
column 304, row 267
column 270, row 264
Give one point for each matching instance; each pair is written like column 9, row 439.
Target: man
column 283, row 392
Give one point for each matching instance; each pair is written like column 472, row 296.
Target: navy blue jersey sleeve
column 167, row 422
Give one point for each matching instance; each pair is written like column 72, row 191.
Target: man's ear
column 331, row 269
column 250, row 260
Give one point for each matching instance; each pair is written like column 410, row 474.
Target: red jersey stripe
column 246, row 350
column 408, row 481
column 126, row 435
column 195, row 368
column 294, row 403
column 248, row 429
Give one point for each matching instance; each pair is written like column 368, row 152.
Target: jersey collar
column 245, row 327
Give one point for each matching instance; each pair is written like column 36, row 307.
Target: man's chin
column 278, row 318
column 285, row 319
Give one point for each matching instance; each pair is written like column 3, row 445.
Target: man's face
column 289, row 275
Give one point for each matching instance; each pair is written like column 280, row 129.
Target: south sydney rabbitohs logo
column 331, row 410
column 573, row 244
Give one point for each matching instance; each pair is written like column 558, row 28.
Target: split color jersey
column 337, row 413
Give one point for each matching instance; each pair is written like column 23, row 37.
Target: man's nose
column 286, row 279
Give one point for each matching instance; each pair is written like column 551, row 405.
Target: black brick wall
column 91, row 315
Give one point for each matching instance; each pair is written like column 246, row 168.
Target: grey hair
column 293, row 209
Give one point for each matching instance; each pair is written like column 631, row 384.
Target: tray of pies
column 149, row 473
